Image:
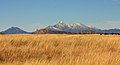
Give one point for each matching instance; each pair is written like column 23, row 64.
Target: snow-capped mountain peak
column 61, row 22
column 73, row 28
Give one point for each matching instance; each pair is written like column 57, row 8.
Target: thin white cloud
column 108, row 25
column 116, row 1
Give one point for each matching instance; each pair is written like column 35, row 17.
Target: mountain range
column 71, row 28
column 61, row 28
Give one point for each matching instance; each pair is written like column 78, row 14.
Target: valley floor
column 61, row 49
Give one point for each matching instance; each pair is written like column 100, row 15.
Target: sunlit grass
column 61, row 49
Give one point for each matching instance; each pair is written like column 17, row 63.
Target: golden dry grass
column 46, row 49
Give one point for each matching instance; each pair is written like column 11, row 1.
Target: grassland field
column 59, row 49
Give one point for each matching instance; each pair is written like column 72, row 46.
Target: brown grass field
column 61, row 49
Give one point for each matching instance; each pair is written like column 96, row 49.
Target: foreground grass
column 59, row 49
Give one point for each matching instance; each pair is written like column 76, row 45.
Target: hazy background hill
column 15, row 30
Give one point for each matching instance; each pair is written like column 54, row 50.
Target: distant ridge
column 62, row 28
column 14, row 30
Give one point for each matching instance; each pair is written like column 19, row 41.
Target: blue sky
column 34, row 14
